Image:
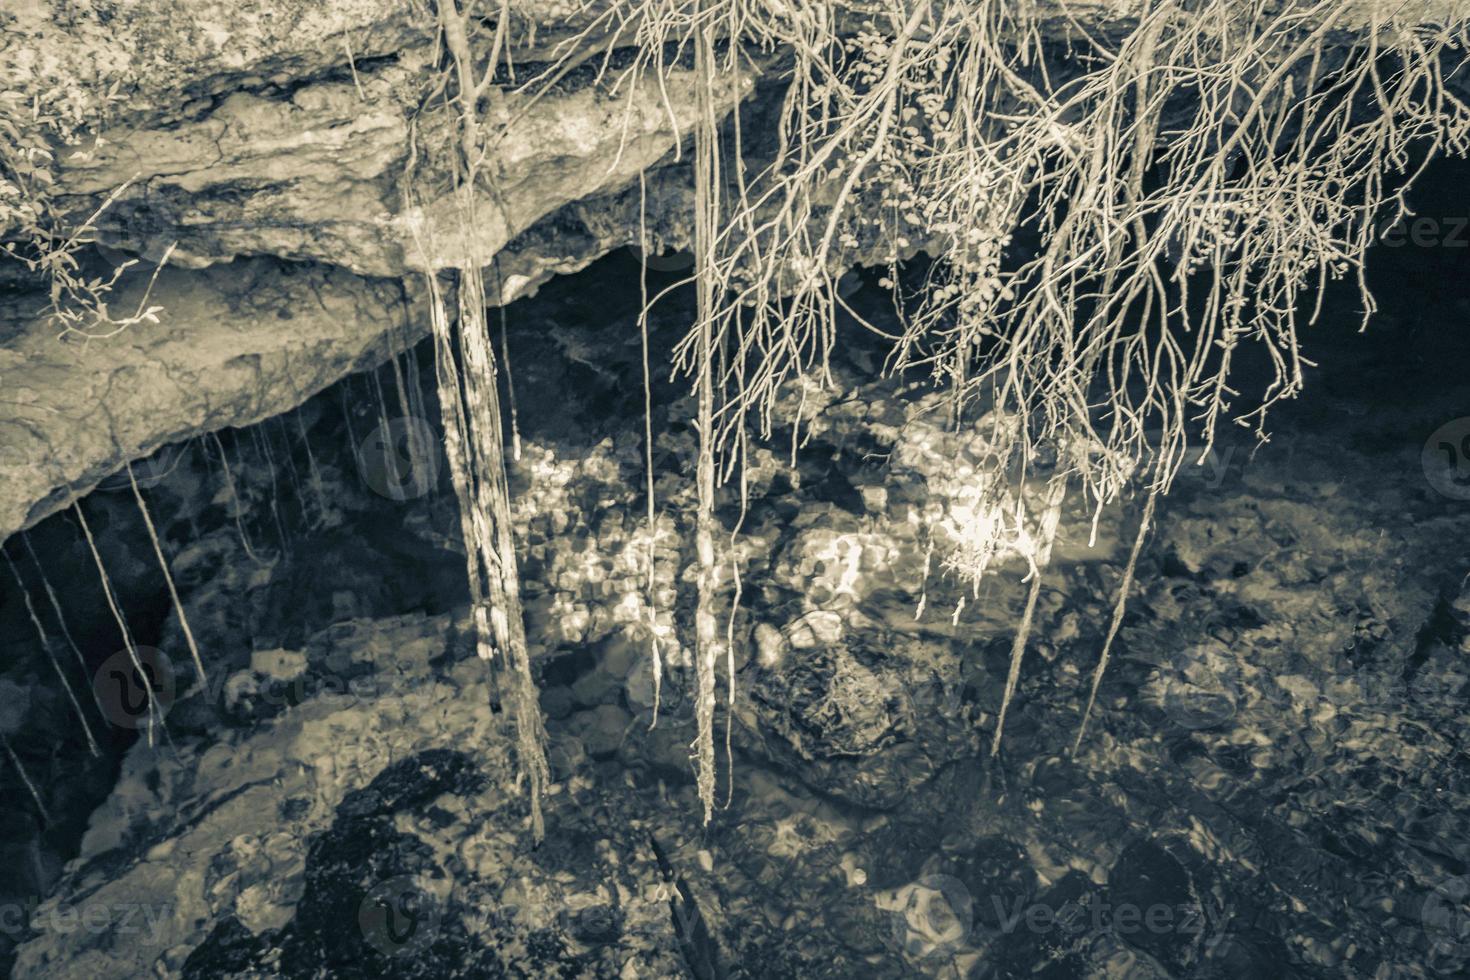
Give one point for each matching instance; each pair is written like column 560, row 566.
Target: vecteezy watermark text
column 127, row 702
column 96, row 918
column 1189, row 920
column 937, row 916
column 1424, row 231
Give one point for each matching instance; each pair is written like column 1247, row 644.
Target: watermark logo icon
column 1446, row 918
column 400, row 458
column 1446, row 459
column 934, row 917
column 396, row 917
column 124, row 696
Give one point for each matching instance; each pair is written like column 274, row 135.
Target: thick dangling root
column 507, row 618
column 706, row 651
column 168, row 578
column 122, row 624
column 473, row 442
column 55, row 664
column 1117, row 621
column 706, row 227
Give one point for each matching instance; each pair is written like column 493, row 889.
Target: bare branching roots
column 474, row 443
column 1190, row 187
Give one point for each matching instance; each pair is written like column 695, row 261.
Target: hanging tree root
column 1189, row 184
column 55, row 605
column 155, row 716
column 474, row 435
column 1116, row 623
column 237, row 505
column 469, row 410
column 168, row 578
column 643, row 310
column 50, row 655
column 25, row 778
column 1051, row 517
column 1192, row 185
column 706, row 222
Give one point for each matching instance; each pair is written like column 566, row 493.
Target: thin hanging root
column 55, row 664
column 1118, row 609
column 55, row 605
column 391, row 457
column 411, row 368
column 25, row 778
column 291, row 468
column 1056, row 491
column 658, row 665
column 263, row 450
column 510, row 380
column 405, row 405
column 316, row 474
column 168, row 578
column 1018, row 651
column 730, row 684
column 122, row 624
column 417, row 390
column 342, row 390
column 234, row 499
column 473, row 442
column 417, row 451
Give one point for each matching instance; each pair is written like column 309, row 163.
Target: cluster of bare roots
column 474, row 436
column 474, row 443
column 1194, row 184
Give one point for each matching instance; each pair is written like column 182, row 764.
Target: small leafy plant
column 34, row 128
